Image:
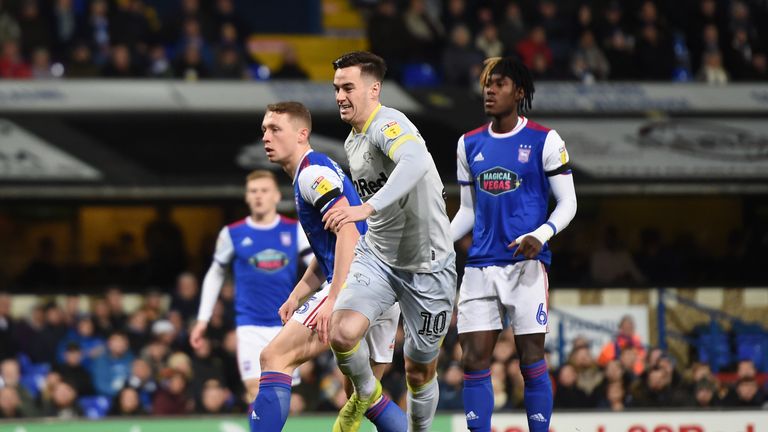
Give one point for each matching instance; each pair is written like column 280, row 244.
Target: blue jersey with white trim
column 508, row 173
column 318, row 184
column 265, row 266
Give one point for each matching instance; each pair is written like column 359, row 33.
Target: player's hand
column 322, row 320
column 529, row 247
column 288, row 308
column 197, row 334
column 336, row 217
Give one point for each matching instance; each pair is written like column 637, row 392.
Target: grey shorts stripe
column 426, row 300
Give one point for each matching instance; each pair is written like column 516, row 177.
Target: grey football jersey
column 413, row 233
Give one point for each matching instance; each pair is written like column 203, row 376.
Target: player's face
column 262, row 196
column 281, row 137
column 501, row 96
column 355, row 94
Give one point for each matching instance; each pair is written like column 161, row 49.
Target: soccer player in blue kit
column 319, row 185
column 264, row 251
column 506, row 170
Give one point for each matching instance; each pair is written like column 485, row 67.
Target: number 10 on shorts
column 429, row 328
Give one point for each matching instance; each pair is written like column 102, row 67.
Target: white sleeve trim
column 554, row 155
column 225, row 250
column 212, row 283
column 463, row 174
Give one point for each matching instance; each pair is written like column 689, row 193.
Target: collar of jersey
column 370, row 119
column 298, row 167
column 521, row 122
column 254, row 225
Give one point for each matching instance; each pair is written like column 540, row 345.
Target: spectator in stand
column 739, row 53
column 172, row 398
column 488, row 41
column 205, row 366
column 63, row 402
column 121, row 64
column 746, row 393
column 137, row 329
column 10, row 377
column 424, row 32
column 712, row 71
column 225, row 15
column 64, row 27
column 290, row 68
column 462, row 63
column 388, row 36
column 214, row 398
column 81, row 64
column 657, row 391
column 653, row 54
column 96, row 31
column 705, row 394
column 142, row 380
column 9, row 27
column 112, row 368
column 155, row 354
column 512, row 28
column 73, row 371
column 451, row 388
column 568, row 394
column 588, row 374
column 34, row 27
column 129, row 25
column 626, row 339
column 117, row 315
column 456, row 13
column 759, row 70
column 584, row 20
column 535, row 43
column 10, row 403
column 190, row 10
column 159, row 66
column 620, row 57
column 43, row 271
column 126, row 403
column 589, row 63
column 187, row 296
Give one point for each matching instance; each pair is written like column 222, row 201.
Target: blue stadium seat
column 94, row 407
column 420, row 75
column 751, row 343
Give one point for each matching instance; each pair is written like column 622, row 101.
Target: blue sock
column 270, row 409
column 387, row 416
column 478, row 400
column 537, row 396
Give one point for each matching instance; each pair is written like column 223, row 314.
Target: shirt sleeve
column 391, row 134
column 305, row 249
column 320, row 186
column 463, row 175
column 225, row 250
column 555, row 156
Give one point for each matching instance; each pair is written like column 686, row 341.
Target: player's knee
column 269, row 359
column 345, row 333
column 472, row 360
column 418, row 374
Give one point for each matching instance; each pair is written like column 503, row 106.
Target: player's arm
column 464, row 219
column 304, row 248
column 556, row 166
column 212, row 283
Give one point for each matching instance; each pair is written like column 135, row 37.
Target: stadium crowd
column 715, row 41
column 71, row 359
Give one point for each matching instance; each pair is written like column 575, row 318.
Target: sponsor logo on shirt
column 498, row 180
column 365, row 187
column 563, row 155
column 269, row 260
column 322, row 185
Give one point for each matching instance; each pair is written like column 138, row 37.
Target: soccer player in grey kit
column 406, row 255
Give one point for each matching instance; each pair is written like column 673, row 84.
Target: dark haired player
column 507, row 169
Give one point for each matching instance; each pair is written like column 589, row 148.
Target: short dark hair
column 370, row 63
column 515, row 70
column 295, row 110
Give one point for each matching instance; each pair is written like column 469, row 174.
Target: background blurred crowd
column 710, row 40
column 69, row 359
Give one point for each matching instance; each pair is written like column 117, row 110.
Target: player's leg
column 250, row 341
column 384, row 413
column 295, row 344
column 427, row 301
column 530, row 298
column 366, row 296
column 479, row 323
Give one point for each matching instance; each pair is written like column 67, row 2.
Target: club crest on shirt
column 523, row 154
column 498, row 180
column 285, row 238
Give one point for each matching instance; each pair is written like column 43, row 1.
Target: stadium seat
column 420, row 75
column 751, row 343
column 94, row 407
